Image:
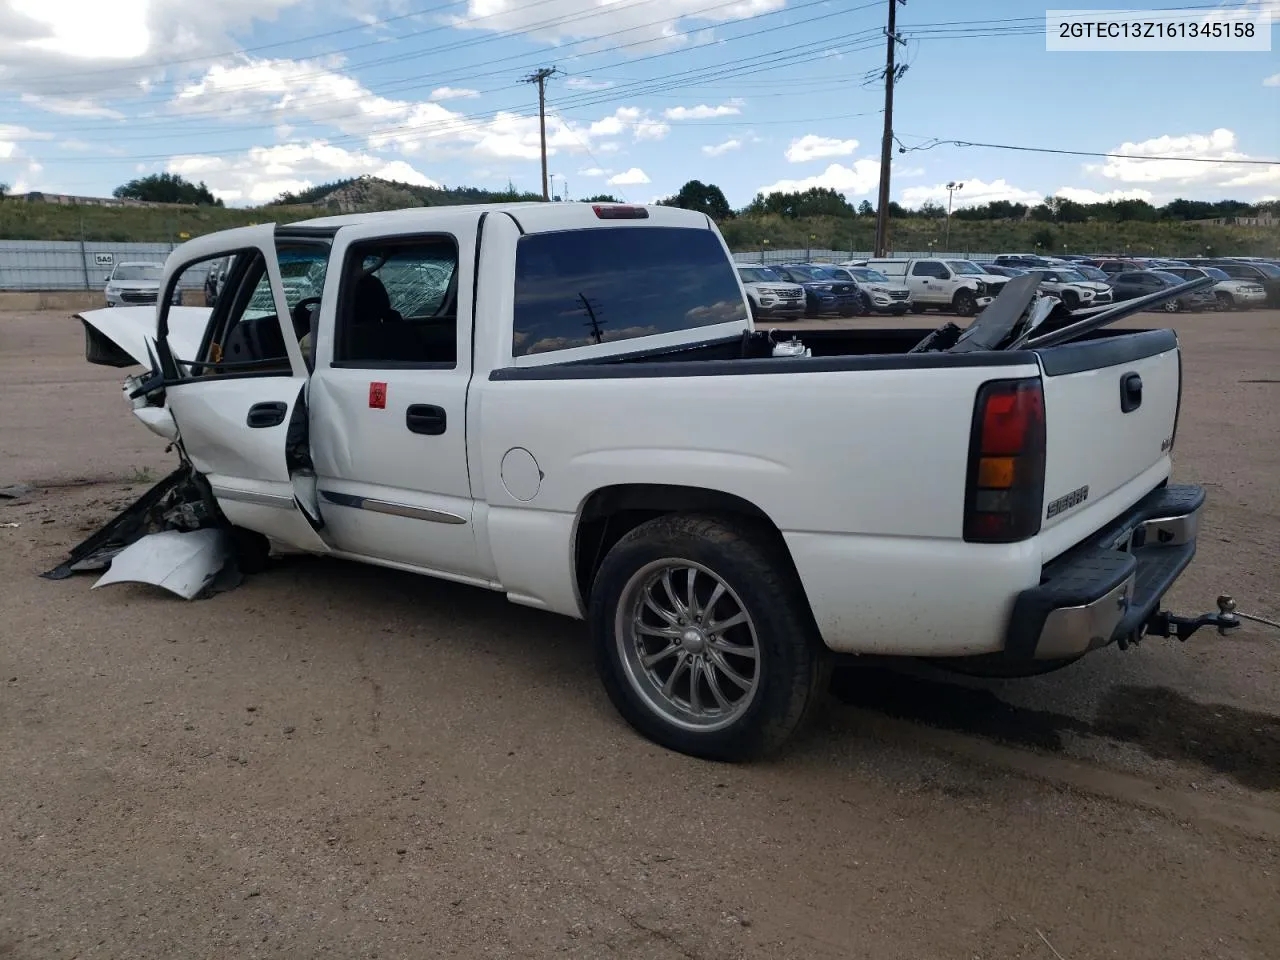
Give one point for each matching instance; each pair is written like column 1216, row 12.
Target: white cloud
column 453, row 93
column 71, row 107
column 1272, row 81
column 110, row 47
column 263, row 173
column 704, row 112
column 974, row 193
column 1219, row 146
column 593, row 172
column 813, row 147
column 628, row 177
column 1085, row 195
column 11, row 139
column 862, row 177
column 719, row 149
column 619, row 23
column 587, row 84
column 294, row 91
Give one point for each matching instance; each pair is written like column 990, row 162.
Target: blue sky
column 259, row 96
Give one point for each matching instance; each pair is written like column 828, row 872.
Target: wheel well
column 611, row 513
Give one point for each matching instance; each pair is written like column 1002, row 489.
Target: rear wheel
column 965, row 304
column 1172, row 306
column 703, row 638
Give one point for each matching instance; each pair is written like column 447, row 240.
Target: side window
column 575, row 288
column 928, row 269
column 399, row 304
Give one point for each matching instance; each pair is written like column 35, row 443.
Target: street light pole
column 952, row 187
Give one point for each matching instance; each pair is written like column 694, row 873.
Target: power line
column 932, row 142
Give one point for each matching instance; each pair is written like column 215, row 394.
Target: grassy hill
column 40, row 221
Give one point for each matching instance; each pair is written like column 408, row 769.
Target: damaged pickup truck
column 569, row 404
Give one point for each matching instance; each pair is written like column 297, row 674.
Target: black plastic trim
column 519, row 225
column 392, row 365
column 289, row 231
column 1110, row 351
column 609, row 369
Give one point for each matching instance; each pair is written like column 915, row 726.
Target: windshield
column 809, row 273
column 758, row 275
column 1092, row 273
column 1168, row 278
column 1270, row 269
column 1070, row 276
column 837, row 273
column 1216, row 273
column 964, row 266
column 138, row 271
column 867, row 275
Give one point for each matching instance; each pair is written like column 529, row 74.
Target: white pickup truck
column 960, row 286
column 568, row 404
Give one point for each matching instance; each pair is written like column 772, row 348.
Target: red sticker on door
column 378, row 395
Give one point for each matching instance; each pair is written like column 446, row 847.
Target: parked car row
column 793, row 290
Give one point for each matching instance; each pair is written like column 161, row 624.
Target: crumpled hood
column 132, row 328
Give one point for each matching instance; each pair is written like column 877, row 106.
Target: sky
column 258, row 97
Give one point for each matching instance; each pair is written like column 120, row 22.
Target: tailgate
column 1111, row 407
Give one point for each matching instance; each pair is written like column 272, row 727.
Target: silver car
column 134, row 282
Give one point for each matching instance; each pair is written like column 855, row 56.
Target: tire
column 964, row 303
column 1172, row 306
column 917, row 308
column 1225, row 301
column 900, row 311
column 1070, row 301
column 786, row 675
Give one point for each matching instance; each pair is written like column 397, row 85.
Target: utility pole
column 540, row 77
column 886, row 145
column 952, row 187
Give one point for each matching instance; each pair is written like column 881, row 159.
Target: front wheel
column 703, row 638
column 1225, row 301
column 965, row 304
column 917, row 308
column 1172, row 306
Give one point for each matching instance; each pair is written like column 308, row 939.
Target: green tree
column 167, row 188
column 932, row 210
column 704, row 197
column 4, row 190
column 865, row 209
column 602, row 198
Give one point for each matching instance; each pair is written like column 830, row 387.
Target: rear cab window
column 578, row 288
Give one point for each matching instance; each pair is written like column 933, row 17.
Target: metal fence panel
column 75, row 265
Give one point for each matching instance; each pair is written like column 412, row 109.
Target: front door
column 389, row 397
column 240, row 402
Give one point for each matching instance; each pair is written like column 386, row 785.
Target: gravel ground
column 335, row 760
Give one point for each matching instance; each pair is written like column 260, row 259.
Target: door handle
column 1130, row 392
column 267, row 414
column 425, row 418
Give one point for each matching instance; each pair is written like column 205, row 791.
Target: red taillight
column 614, row 211
column 1005, row 488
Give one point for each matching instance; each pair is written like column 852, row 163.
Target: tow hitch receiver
column 1164, row 624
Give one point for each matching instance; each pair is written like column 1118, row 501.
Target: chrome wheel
column 688, row 645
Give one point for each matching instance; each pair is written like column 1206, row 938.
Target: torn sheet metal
column 176, row 501
column 185, row 563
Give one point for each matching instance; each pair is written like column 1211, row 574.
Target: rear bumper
column 1108, row 587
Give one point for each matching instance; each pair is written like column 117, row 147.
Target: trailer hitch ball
column 1227, row 618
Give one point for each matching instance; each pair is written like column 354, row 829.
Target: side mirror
column 106, row 279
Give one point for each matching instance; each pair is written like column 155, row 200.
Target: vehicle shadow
column 1243, row 745
column 542, row 651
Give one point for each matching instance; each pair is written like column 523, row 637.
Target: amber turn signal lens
column 995, row 472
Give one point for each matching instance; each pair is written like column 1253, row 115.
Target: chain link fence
column 84, row 265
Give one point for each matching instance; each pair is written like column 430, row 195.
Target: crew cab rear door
column 240, row 404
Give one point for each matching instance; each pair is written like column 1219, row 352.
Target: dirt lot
column 335, row 760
